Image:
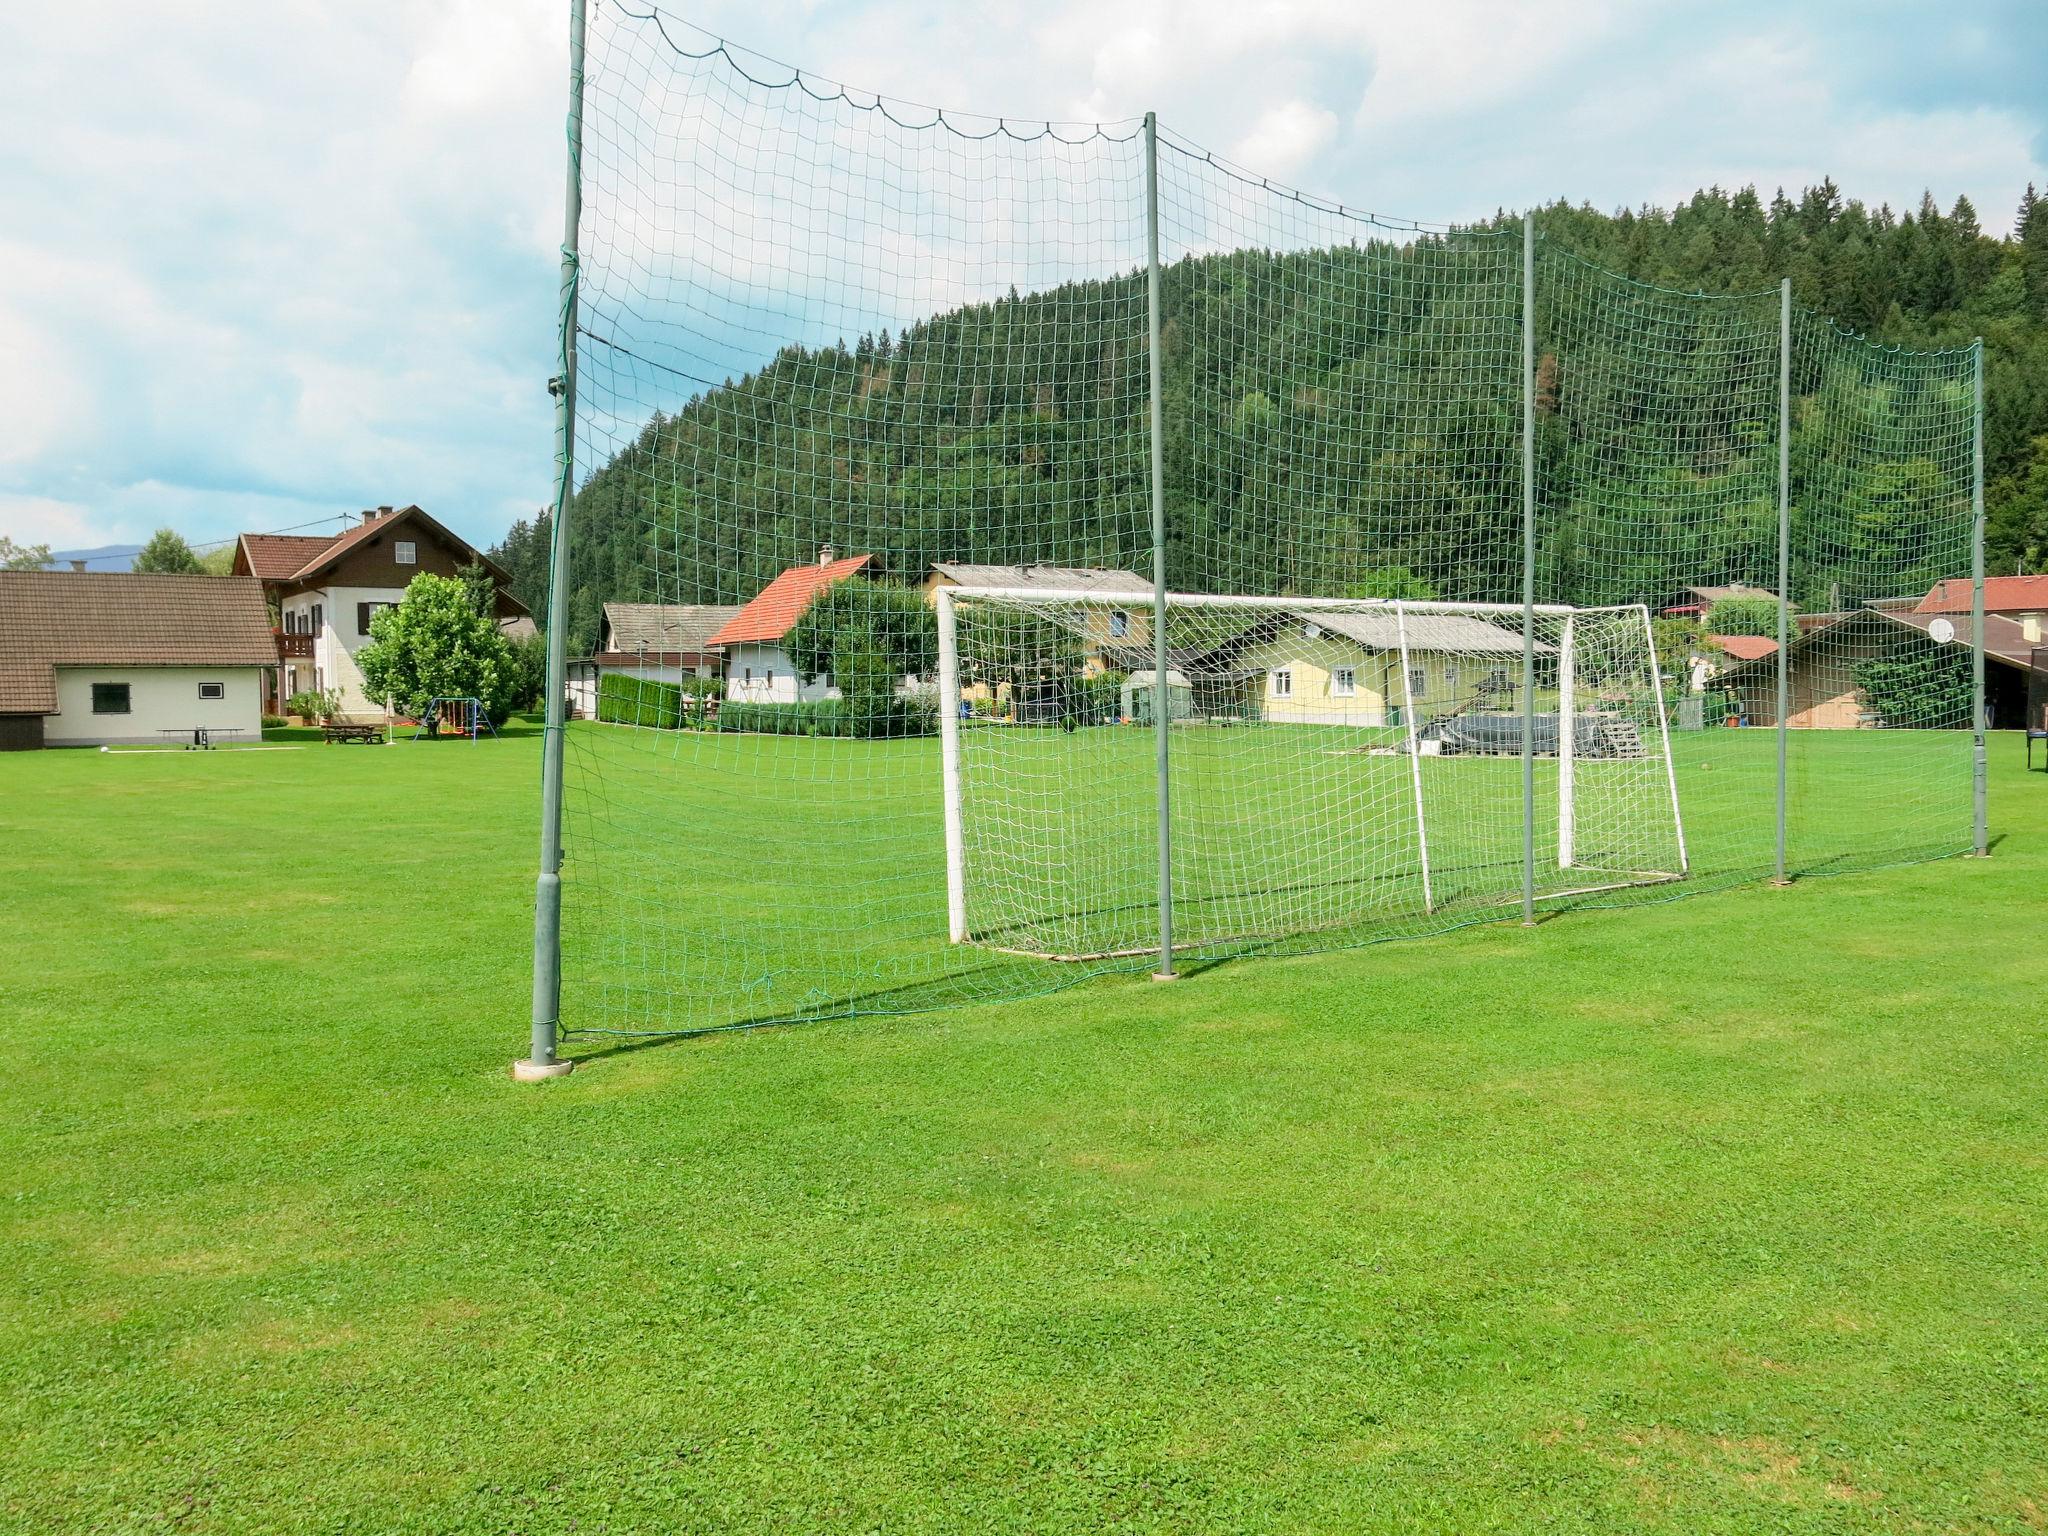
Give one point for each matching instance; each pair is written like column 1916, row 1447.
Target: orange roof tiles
column 776, row 608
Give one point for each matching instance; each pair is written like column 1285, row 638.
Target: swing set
column 459, row 717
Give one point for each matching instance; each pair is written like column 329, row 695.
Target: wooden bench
column 343, row 729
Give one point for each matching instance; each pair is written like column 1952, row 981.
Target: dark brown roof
column 275, row 556
column 51, row 619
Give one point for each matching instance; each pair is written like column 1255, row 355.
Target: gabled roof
column 51, row 619
column 2002, row 594
column 275, row 556
column 664, row 627
column 1381, row 631
column 294, row 557
column 2004, row 639
column 1744, row 647
column 1082, row 578
column 777, row 606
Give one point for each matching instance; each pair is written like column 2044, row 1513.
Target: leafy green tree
column 167, row 553
column 434, row 644
column 1744, row 616
column 867, row 636
column 22, row 557
column 1923, row 687
column 1393, row 581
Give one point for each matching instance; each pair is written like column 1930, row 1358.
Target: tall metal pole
column 1784, row 582
column 1528, row 570
column 547, row 896
column 1162, row 696
column 1980, row 821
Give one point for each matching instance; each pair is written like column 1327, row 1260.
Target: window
column 110, row 698
column 1283, row 684
column 366, row 612
column 749, row 675
column 1418, row 682
column 1119, row 623
column 1343, row 682
column 213, row 690
column 405, row 552
column 1451, row 681
column 319, row 620
column 1497, row 680
column 771, row 677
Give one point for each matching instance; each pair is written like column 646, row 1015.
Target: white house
column 99, row 658
column 662, row 641
column 757, row 669
column 327, row 589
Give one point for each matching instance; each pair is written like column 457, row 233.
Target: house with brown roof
column 1821, row 662
column 756, row 667
column 326, row 589
column 663, row 641
column 100, row 658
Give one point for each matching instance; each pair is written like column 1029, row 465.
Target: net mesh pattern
column 835, row 354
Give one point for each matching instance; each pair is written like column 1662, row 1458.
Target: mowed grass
column 1728, row 1214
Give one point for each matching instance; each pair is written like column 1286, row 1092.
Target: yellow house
column 1345, row 668
column 1108, row 627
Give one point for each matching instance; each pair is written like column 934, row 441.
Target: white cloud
column 270, row 259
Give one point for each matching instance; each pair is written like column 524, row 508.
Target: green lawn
column 1727, row 1214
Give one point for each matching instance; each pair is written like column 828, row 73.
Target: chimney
column 79, row 566
column 384, row 511
column 824, row 554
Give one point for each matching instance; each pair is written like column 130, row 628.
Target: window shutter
column 362, row 618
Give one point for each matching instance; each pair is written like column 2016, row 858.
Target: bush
column 314, row 704
column 274, row 722
column 1100, row 699
column 913, row 715
column 1745, row 616
column 624, row 700
column 1924, row 687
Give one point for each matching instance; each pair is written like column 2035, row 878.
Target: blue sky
column 269, row 263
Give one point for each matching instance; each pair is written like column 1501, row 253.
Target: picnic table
column 368, row 732
column 203, row 736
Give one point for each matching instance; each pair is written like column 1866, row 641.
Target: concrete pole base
column 1778, row 883
column 531, row 1071
column 1166, row 975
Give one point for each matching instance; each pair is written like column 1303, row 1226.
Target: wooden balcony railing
column 292, row 647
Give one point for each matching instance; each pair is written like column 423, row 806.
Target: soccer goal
column 1332, row 763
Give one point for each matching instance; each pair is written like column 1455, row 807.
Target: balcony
column 292, row 647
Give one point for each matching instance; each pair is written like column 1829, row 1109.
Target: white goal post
column 1334, row 762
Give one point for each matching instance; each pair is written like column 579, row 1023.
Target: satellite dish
column 1941, row 631
column 1312, row 630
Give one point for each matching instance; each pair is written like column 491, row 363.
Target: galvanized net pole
column 1980, row 819
column 547, row 896
column 1162, row 696
column 1784, row 582
column 1529, row 570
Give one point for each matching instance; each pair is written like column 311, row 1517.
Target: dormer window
column 405, row 552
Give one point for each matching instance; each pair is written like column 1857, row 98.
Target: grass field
column 1721, row 1215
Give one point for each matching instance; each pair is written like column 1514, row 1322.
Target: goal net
column 827, row 357
column 1337, row 765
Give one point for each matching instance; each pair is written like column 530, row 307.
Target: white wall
column 761, row 661
column 159, row 699
column 336, row 644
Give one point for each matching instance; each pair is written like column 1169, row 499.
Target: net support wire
column 1980, row 838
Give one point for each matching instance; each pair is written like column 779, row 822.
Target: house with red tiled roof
column 325, row 589
column 757, row 669
column 2021, row 599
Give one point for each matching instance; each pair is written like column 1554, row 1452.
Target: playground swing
column 455, row 716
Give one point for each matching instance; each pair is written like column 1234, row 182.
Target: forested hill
column 1015, row 430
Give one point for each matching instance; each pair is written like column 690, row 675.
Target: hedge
column 831, row 717
column 627, row 700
